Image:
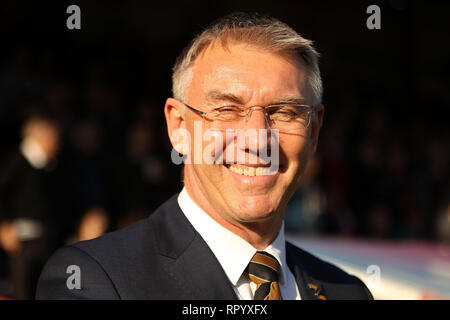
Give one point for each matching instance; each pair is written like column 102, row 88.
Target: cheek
column 206, row 146
column 296, row 154
column 294, row 150
column 213, row 147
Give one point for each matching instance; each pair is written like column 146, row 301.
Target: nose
column 256, row 136
column 256, row 118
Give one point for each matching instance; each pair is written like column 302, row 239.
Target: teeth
column 252, row 172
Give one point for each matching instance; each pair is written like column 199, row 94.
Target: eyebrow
column 215, row 96
column 289, row 100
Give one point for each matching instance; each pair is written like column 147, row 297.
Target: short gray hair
column 251, row 28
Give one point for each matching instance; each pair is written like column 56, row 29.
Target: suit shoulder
column 141, row 236
column 71, row 273
column 118, row 243
column 104, row 263
column 326, row 272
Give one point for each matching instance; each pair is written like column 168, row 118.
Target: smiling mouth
column 251, row 171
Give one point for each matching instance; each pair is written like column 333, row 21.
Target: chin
column 253, row 210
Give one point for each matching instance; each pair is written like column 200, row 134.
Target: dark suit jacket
column 163, row 257
column 22, row 189
column 26, row 192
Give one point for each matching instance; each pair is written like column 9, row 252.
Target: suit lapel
column 200, row 275
column 194, row 269
column 310, row 288
column 188, row 259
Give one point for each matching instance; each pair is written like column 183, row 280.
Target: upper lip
column 249, row 165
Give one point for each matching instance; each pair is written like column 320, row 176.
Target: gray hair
column 263, row 31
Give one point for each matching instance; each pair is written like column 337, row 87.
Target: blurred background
column 84, row 148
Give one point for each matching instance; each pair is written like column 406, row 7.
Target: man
column 27, row 221
column 222, row 237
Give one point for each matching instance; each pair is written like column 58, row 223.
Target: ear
column 174, row 112
column 316, row 125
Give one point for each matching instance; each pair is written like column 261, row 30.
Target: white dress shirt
column 234, row 253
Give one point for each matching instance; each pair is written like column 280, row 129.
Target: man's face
column 253, row 77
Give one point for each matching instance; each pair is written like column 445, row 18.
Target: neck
column 259, row 234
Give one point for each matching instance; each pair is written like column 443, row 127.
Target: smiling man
column 252, row 84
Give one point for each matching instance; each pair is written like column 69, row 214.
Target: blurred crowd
column 376, row 177
column 84, row 150
column 75, row 162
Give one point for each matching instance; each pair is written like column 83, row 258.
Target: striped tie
column 263, row 270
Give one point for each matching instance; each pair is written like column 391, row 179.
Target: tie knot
column 263, row 268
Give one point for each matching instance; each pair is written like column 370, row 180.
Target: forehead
column 252, row 73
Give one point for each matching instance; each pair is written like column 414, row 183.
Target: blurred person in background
column 304, row 212
column 93, row 224
column 89, row 177
column 442, row 226
column 139, row 185
column 27, row 224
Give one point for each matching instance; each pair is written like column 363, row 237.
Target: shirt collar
column 232, row 252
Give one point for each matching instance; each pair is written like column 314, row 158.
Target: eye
column 227, row 109
column 283, row 112
column 230, row 112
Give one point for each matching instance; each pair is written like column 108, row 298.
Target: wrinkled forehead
column 250, row 72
